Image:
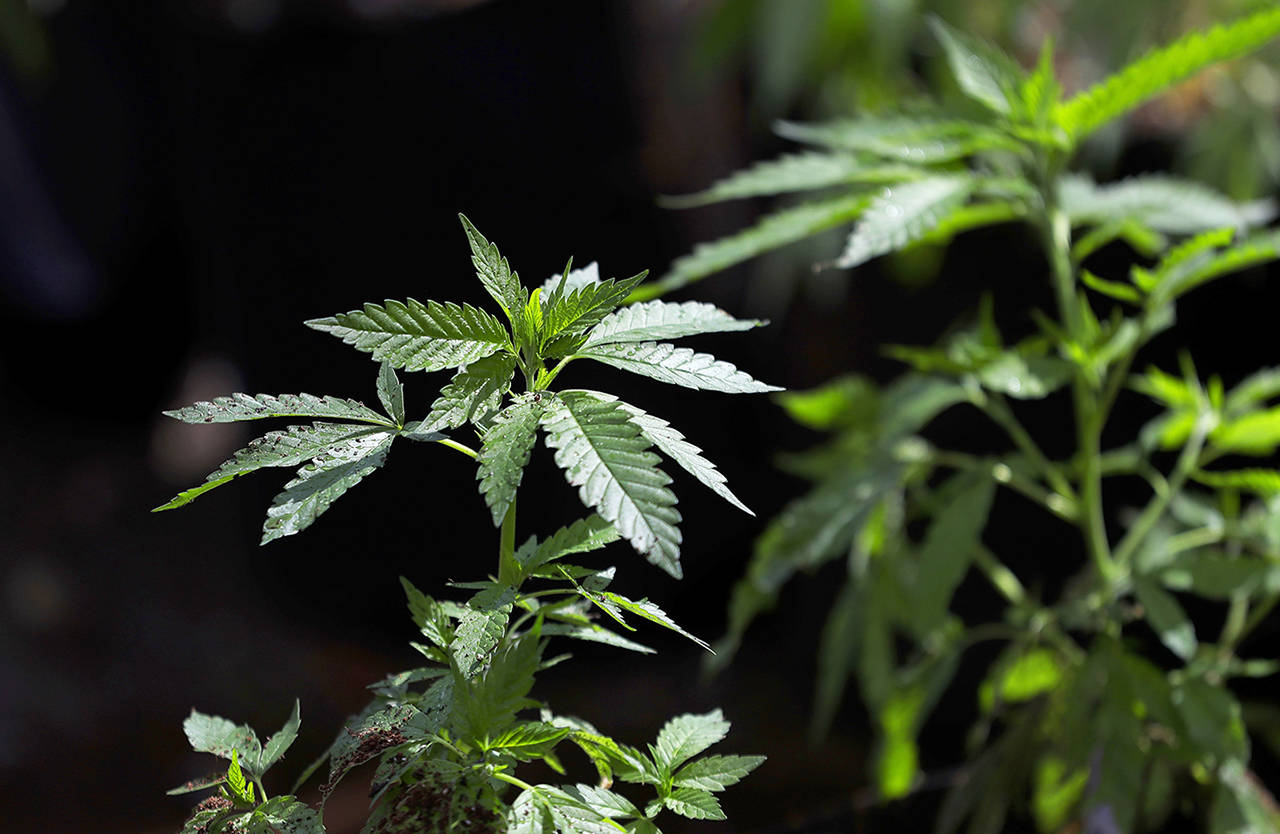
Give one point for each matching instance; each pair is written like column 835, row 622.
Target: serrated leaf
column 1264, row 482
column 428, row 615
column 603, row 801
column 289, row 447
column 914, row 139
column 416, row 336
column 494, row 272
column 573, row 816
column 476, row 390
column 795, row 172
column 715, row 773
column 604, row 454
column 238, row 407
column 391, row 393
column 323, row 481
column 585, row 307
column 770, row 232
column 647, row 610
column 595, row 634
column 485, row 705
column 212, row 734
column 1185, row 275
column 654, row 320
column 282, row 815
column 241, row 791
column 1162, row 68
column 582, row 536
column 677, row 366
column 902, row 214
column 694, row 803
column 526, row 815
column 685, row 736
column 1163, row 203
column 529, row 740
column 983, row 72
column 572, row 279
column 505, row 453
column 276, row 746
column 481, row 628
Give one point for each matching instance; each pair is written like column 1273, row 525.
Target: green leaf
column 494, row 272
column 1185, row 275
column 771, row 232
column 281, row 741
column 476, row 390
column 676, row 366
column 211, row 734
column 505, row 453
column 654, row 320
column 1161, row 68
column 902, row 214
column 481, row 628
column 837, row 654
column 604, row 802
column 1163, row 203
column 289, row 447
column 1025, row 377
column 948, row 549
column 1057, row 792
column 604, row 454
column 715, row 773
column 685, row 736
column 582, row 536
column 841, row 403
column 983, row 72
column 1264, row 482
column 694, row 803
column 239, row 407
column 795, row 172
column 526, row 815
column 1167, row 618
column 641, row 608
column 914, row 139
column 490, row 703
column 1256, row 433
column 595, row 634
column 416, row 336
column 1111, row 289
column 283, row 815
column 585, row 308
column 1252, row 391
column 1212, row 719
column 323, row 481
column 1030, row 674
column 1217, row 576
column 529, row 740
column 391, row 393
column 241, row 790
column 572, row 816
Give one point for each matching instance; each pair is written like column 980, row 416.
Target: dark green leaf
column 239, row 407
column 494, row 272
column 475, row 390
column 505, row 453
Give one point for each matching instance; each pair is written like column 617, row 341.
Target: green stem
column 997, row 408
column 1233, row 627
column 1054, row 502
column 510, row 780
column 1256, row 616
column 453, row 444
column 1000, row 576
column 1187, row 463
column 509, row 571
column 261, row 790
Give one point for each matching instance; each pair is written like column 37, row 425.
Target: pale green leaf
column 416, row 336
column 391, row 393
column 480, row 629
column 1162, row 68
column 902, row 214
column 212, row 734
column 715, row 773
column 237, row 407
column 694, row 803
column 526, row 815
column 795, row 172
column 677, row 366
column 561, row 284
column 604, row 454
column 1254, row 390
column 914, row 139
column 289, row 447
column 771, row 232
column 685, row 736
column 1159, row 202
column 505, row 453
column 604, row 802
column 323, row 481
column 654, row 320
column 1192, row 272
column 494, row 272
column 1264, row 482
column 593, row 633
column 582, row 536
column 476, row 390
column 529, row 740
column 645, row 609
column 241, row 790
column 983, row 72
column 281, row 741
column 1167, row 618
column 1254, row 433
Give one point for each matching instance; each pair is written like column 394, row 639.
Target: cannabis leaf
column 796, row 172
column 238, row 407
column 903, row 214
column 505, row 453
column 656, row 320
column 983, row 72
column 676, row 366
column 475, row 391
column 494, row 273
column 604, row 454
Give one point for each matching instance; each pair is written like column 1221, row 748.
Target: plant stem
column 1187, row 462
column 509, row 571
column 998, row 409
column 1055, row 503
column 453, row 444
column 1000, row 576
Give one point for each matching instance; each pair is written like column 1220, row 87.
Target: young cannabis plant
column 1108, row 704
column 449, row 735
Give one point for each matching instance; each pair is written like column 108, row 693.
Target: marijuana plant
column 1107, row 704
column 449, row 736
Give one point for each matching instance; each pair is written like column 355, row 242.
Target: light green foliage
column 446, row 737
column 1109, row 696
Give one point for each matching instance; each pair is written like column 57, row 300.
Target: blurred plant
column 823, row 58
column 1078, row 725
column 449, row 736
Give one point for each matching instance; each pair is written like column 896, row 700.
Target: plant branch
column 1188, row 460
column 453, row 444
column 997, row 408
column 999, row 575
column 509, row 571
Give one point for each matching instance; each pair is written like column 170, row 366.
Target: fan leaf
column 676, row 366
column 475, row 390
column 902, row 215
column 238, row 407
column 505, row 453
column 655, row 320
column 796, row 172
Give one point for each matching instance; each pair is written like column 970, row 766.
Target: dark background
column 183, row 183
